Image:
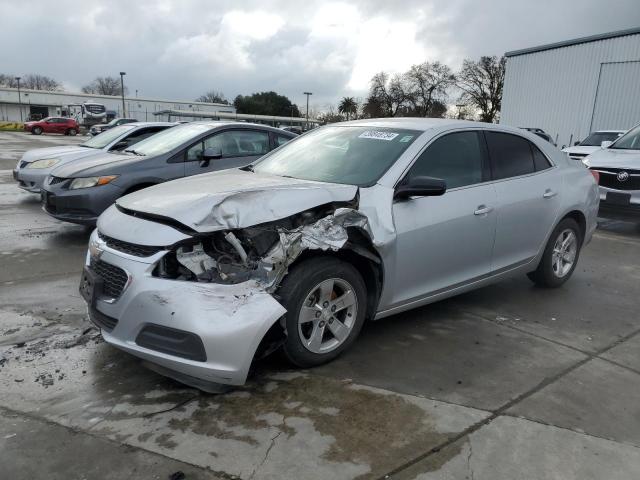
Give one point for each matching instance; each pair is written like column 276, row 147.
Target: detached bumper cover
column 229, row 320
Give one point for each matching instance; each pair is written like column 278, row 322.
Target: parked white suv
column 594, row 142
column 619, row 168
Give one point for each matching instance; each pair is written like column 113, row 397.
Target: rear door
column 528, row 189
column 443, row 242
column 237, row 147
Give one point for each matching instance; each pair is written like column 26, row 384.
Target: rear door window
column 511, row 155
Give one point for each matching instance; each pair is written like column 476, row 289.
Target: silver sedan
column 351, row 222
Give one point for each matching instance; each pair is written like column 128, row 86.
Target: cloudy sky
column 180, row 49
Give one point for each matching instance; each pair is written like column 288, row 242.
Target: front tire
column 36, row 130
column 560, row 256
column 326, row 301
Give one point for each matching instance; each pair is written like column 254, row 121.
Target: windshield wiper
column 134, row 152
column 248, row 168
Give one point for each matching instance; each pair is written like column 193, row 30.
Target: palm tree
column 347, row 106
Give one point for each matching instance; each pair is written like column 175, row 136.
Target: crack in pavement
column 266, row 455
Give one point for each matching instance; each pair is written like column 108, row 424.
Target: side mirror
column 211, row 154
column 421, row 187
column 606, row 144
column 575, row 144
column 121, row 145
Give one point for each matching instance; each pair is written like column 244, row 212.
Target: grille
column 609, row 179
column 56, row 180
column 114, row 279
column 129, row 248
column 23, row 164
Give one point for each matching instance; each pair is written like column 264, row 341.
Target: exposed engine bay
column 261, row 253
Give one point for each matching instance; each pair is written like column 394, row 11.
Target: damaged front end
column 263, row 253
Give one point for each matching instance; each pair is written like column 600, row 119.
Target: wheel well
column 137, row 187
column 365, row 259
column 580, row 219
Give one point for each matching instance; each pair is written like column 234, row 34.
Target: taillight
column 596, row 175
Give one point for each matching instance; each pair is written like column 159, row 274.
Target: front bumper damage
column 165, row 320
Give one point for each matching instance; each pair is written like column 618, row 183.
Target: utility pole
column 19, row 98
column 122, row 74
column 307, row 94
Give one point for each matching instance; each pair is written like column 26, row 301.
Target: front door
column 237, row 148
column 446, row 241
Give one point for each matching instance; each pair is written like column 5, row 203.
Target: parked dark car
column 63, row 125
column 541, row 133
column 79, row 193
column 101, row 127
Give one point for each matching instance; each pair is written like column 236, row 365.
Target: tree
column 266, row 103
column 426, row 87
column 212, row 96
column 105, row 86
column 482, row 83
column 348, row 106
column 31, row 81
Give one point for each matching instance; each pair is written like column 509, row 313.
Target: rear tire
column 72, row 131
column 560, row 256
column 36, row 130
column 326, row 302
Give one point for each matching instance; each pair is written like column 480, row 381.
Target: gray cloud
column 181, row 49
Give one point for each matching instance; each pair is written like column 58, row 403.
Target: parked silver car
column 618, row 168
column 36, row 165
column 353, row 221
column 594, row 142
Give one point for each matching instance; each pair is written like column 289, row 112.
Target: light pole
column 307, row 94
column 19, row 98
column 122, row 74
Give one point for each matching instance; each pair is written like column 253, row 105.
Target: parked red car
column 66, row 126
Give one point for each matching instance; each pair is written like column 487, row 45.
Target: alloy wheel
column 327, row 316
column 564, row 253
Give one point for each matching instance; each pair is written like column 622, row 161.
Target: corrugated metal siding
column 618, row 96
column 556, row 89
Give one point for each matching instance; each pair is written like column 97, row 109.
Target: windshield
column 106, row 137
column 169, row 139
column 113, row 122
column 629, row 141
column 350, row 155
column 596, row 138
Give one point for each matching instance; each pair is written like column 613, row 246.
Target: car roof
column 421, row 124
column 217, row 124
column 608, row 131
column 148, row 124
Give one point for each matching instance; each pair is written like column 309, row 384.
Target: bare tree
column 31, row 81
column 427, row 85
column 213, row 96
column 386, row 95
column 481, row 83
column 104, row 86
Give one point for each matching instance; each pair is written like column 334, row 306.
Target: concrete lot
column 508, row 382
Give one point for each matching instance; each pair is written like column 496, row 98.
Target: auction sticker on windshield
column 377, row 135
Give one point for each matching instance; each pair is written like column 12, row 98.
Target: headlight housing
column 86, row 182
column 44, row 163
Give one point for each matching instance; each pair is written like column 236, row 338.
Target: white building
column 572, row 88
column 14, row 107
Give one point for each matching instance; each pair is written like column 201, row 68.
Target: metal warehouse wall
column 558, row 89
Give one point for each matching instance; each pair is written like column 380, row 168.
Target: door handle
column 483, row 210
column 548, row 193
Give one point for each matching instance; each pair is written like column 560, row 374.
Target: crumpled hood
column 233, row 199
column 614, row 158
column 52, row 152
